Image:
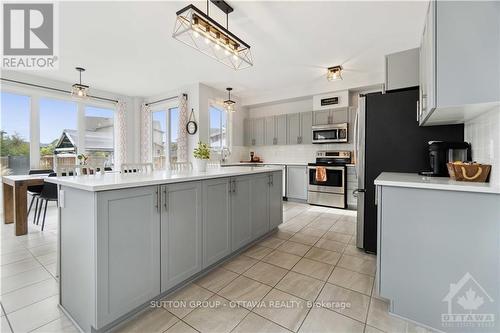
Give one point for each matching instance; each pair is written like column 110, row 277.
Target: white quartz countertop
column 436, row 183
column 264, row 163
column 113, row 181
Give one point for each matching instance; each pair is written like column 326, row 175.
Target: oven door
column 334, row 183
column 325, row 135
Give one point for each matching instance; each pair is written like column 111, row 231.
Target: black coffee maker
column 442, row 152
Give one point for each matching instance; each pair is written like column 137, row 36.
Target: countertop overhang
column 113, row 181
column 414, row 180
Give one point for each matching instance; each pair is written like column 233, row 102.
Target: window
column 59, row 139
column 165, row 133
column 99, row 135
column 15, row 134
column 218, row 127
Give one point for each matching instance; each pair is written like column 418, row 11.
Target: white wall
column 483, row 133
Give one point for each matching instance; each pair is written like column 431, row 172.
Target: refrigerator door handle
column 358, row 190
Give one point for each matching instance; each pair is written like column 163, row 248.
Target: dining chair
column 136, row 167
column 35, row 190
column 49, row 193
column 181, row 166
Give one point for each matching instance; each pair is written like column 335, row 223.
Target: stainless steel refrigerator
column 388, row 138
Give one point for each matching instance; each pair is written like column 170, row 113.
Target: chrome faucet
column 224, row 154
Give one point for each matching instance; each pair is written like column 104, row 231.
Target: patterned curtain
column 145, row 133
column 182, row 140
column 121, row 130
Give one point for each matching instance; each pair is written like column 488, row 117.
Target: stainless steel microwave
column 330, row 133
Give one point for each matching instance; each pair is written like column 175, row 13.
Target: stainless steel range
column 327, row 179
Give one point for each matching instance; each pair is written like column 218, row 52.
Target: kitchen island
column 438, row 253
column 127, row 239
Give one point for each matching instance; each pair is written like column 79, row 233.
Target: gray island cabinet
column 126, row 240
column 438, row 256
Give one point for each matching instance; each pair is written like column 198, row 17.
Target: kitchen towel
column 320, row 174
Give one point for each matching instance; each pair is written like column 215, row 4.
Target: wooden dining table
column 15, row 199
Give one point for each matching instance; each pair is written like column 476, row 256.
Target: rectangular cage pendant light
column 198, row 30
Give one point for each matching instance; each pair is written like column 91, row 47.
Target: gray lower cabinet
column 260, row 204
column 297, row 182
column 241, row 211
column 275, row 200
column 128, row 260
column 216, row 220
column 181, row 232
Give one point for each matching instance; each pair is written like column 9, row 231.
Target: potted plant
column 202, row 154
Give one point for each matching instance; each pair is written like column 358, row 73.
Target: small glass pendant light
column 228, row 103
column 78, row 89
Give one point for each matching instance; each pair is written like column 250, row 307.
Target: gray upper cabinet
column 128, row 260
column 402, row 69
column 306, row 127
column 270, row 130
column 248, row 132
column 181, row 232
column 241, row 212
column 322, row 117
column 260, row 204
column 258, row 131
column 460, row 52
column 216, row 220
column 293, row 122
column 280, row 129
column 275, row 200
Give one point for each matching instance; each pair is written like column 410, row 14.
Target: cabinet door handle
column 156, row 199
column 234, row 186
column 165, row 199
column 230, row 186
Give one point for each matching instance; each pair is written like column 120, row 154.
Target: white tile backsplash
column 483, row 133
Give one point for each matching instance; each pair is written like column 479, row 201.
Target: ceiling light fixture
column 200, row 31
column 229, row 103
column 334, row 73
column 79, row 89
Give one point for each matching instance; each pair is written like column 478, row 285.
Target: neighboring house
column 99, row 141
column 216, row 135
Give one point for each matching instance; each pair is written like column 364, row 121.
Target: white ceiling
column 127, row 47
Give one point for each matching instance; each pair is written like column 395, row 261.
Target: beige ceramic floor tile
column 281, row 259
column 283, row 234
column 43, row 249
column 284, row 309
column 354, row 251
column 239, row 264
column 152, row 320
column 304, row 238
column 257, row 252
column 336, row 236
column 24, row 279
column 325, row 256
column 61, row 325
column 330, row 245
column 271, row 242
column 344, row 227
column 357, row 303
column 216, row 279
column 321, row 320
column 48, row 258
column 300, row 285
column 19, row 267
column 33, row 293
column 256, row 324
column 218, row 317
column 9, row 258
column 352, row 280
column 4, row 325
column 184, row 301
column 294, row 248
column 369, row 329
column 358, row 264
column 313, row 268
column 181, row 327
column 52, row 268
column 266, row 273
column 245, row 292
column 35, row 315
column 322, row 224
column 312, row 231
column 379, row 317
